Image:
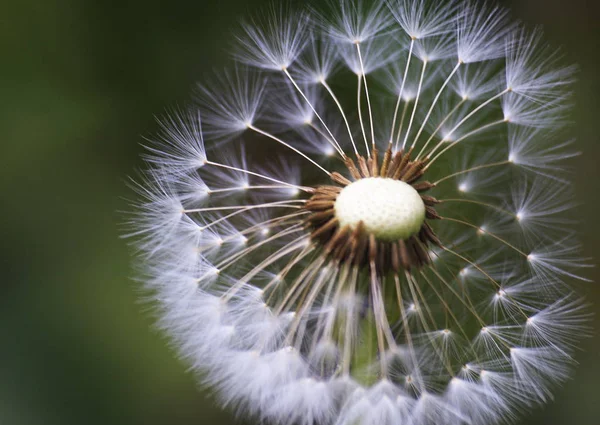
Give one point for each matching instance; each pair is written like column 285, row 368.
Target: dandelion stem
column 406, row 326
column 404, row 111
column 280, row 253
column 498, row 238
column 410, row 50
column 470, row 305
column 279, row 278
column 485, row 204
column 240, row 188
column 350, row 321
column 413, row 286
column 303, row 279
column 438, row 128
column 447, row 308
column 308, row 304
column 479, row 167
column 308, row 297
column 262, row 176
column 245, row 207
column 360, row 118
column 288, row 267
column 320, row 327
column 272, row 222
column 325, row 136
column 379, row 313
column 339, row 105
column 455, row 292
column 328, row 327
column 240, row 211
column 456, row 142
column 466, row 118
column 414, row 111
column 475, row 265
column 364, row 78
column 261, row 225
column 234, row 258
column 287, row 145
column 469, row 302
column 435, row 100
column 228, row 262
column 337, row 145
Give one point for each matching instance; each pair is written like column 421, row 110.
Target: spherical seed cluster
column 389, row 209
column 273, row 234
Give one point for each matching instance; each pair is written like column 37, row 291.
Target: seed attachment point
column 376, row 216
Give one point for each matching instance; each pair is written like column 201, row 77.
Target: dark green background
column 79, row 84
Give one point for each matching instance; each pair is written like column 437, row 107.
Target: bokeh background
column 80, row 82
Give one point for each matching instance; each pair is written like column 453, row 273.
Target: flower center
column 389, row 209
column 378, row 217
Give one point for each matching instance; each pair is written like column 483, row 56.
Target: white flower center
column 389, row 209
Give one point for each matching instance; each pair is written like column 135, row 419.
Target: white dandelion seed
column 368, row 220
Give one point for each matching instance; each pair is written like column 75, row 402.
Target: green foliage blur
column 80, row 83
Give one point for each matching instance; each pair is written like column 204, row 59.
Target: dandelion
column 367, row 219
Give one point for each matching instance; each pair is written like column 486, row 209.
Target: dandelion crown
column 365, row 220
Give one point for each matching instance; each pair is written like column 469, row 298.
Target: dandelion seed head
column 273, row 40
column 389, row 209
column 353, row 21
column 421, row 19
column 368, row 219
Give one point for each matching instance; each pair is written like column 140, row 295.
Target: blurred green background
column 80, row 82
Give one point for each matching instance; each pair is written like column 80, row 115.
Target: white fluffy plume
column 472, row 320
